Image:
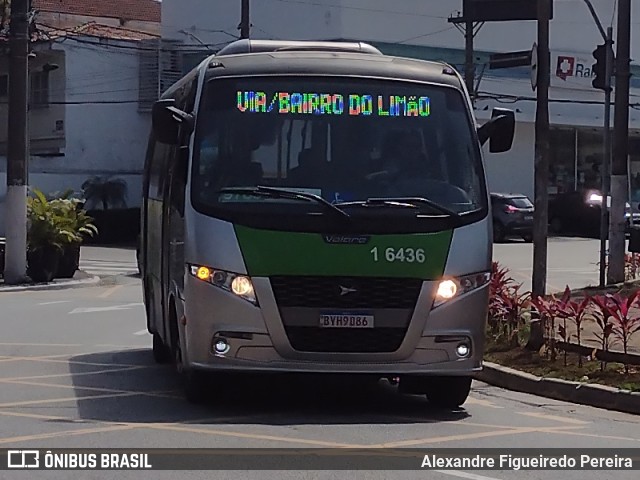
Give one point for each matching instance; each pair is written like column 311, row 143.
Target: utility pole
column 469, row 67
column 245, row 22
column 540, row 220
column 617, row 247
column 15, row 270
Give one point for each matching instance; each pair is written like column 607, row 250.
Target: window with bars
column 39, row 89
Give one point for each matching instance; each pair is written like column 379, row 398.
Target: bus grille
column 376, row 340
column 328, row 292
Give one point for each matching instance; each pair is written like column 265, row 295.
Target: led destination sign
column 299, row 103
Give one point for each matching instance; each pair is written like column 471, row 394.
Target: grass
column 532, row 362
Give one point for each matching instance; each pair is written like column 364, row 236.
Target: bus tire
column 448, row 392
column 161, row 354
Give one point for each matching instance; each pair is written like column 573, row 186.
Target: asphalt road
column 570, row 261
column 76, row 371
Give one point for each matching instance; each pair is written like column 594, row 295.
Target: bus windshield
column 344, row 140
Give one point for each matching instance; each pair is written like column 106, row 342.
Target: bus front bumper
column 251, row 339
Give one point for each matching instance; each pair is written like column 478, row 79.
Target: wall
column 65, row 21
column 46, row 131
column 101, row 138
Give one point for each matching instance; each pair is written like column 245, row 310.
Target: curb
column 84, row 282
column 594, row 395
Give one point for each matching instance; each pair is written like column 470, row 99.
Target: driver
column 406, row 159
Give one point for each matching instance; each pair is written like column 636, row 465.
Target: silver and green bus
column 319, row 207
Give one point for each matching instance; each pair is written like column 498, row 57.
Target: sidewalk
column 96, row 264
column 80, row 279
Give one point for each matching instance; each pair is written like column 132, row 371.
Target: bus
column 319, row 207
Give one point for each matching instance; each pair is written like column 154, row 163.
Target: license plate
column 346, row 320
column 528, row 217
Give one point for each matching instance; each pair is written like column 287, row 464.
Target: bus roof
column 355, row 59
column 256, row 46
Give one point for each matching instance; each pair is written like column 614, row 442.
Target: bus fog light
column 221, row 346
column 463, row 350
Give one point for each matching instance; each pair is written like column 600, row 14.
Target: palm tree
column 108, row 191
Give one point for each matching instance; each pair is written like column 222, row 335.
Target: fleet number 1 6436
column 409, row 255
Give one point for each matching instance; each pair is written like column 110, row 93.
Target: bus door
column 173, row 210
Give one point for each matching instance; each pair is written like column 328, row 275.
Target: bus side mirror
column 499, row 131
column 167, row 120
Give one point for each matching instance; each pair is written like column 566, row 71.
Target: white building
column 420, row 28
column 88, row 114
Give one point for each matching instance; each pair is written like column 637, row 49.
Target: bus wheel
column 448, row 392
column 193, row 382
column 161, row 353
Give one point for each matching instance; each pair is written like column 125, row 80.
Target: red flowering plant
column 564, row 312
column 514, row 305
column 624, row 322
column 578, row 313
column 600, row 314
column 498, row 290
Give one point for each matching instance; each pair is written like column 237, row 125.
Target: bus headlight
column 454, row 287
column 239, row 285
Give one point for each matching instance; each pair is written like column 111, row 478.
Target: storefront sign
column 572, row 70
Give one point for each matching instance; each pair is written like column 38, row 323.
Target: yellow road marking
column 44, row 358
column 36, row 416
column 64, row 399
column 110, row 291
column 53, row 359
column 554, row 418
column 482, row 402
column 82, row 374
column 66, row 433
column 468, row 436
column 593, row 435
column 91, row 389
column 450, row 422
column 40, row 345
column 252, row 436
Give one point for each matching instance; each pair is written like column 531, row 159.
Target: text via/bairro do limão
column 298, row 103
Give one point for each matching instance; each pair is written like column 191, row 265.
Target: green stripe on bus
column 268, row 253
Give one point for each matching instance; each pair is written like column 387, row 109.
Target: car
column 578, row 212
column 512, row 216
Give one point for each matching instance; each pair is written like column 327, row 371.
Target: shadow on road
column 153, row 393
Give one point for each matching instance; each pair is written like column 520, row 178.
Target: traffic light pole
column 619, row 166
column 606, row 158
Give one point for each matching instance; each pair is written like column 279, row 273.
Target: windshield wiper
column 288, row 194
column 404, row 202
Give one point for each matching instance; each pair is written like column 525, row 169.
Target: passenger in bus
column 404, row 158
column 311, row 169
column 238, row 169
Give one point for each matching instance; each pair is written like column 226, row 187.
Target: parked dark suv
column 512, row 216
column 578, row 212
